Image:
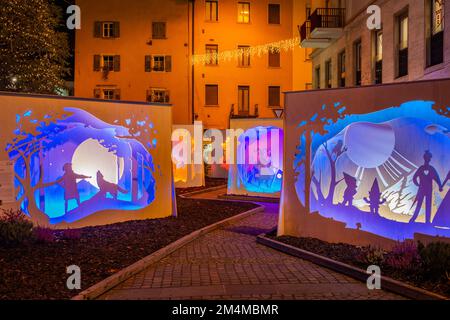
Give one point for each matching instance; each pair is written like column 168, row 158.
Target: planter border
column 114, row 280
column 387, row 283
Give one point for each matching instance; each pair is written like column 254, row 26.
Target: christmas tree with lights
column 33, row 49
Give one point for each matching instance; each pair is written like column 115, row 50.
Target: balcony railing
column 328, row 18
column 323, row 24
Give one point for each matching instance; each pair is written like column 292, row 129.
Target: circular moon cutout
column 90, row 157
column 369, row 145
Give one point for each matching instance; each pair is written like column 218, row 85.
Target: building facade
column 142, row 50
column 412, row 42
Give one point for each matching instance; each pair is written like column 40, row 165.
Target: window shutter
column 149, row 95
column 98, row 29
column 97, row 93
column 116, row 63
column 274, row 14
column 168, row 63
column 211, row 95
column 117, row 94
column 97, row 59
column 274, row 96
column 148, row 63
column 116, row 29
column 167, row 97
column 274, row 59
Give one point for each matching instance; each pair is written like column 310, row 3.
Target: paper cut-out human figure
column 350, row 191
column 442, row 217
column 69, row 182
column 375, row 200
column 423, row 178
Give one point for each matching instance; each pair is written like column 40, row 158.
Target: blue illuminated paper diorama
column 70, row 166
column 386, row 172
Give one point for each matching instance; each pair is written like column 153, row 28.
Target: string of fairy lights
column 259, row 50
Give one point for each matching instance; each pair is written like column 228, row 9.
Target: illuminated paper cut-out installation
column 259, row 161
column 187, row 175
column 382, row 173
column 71, row 168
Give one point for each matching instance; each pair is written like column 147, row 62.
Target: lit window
column 158, row 63
column 212, row 51
column 328, row 75
column 403, row 32
column 108, row 63
column 212, row 10
column 378, row 64
column 435, row 32
column 244, row 56
column 108, row 29
column 243, row 12
column 341, row 69
column 157, row 95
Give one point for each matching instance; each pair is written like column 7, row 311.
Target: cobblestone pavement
column 229, row 264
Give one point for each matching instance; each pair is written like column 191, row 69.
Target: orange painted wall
column 135, row 17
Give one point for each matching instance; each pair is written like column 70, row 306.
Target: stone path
column 229, row 264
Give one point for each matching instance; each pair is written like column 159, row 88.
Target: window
column 328, row 74
column 108, row 63
column 435, row 32
column 274, row 96
column 212, row 10
column 106, row 29
column 317, row 77
column 244, row 100
column 212, row 95
column 159, row 30
column 402, row 54
column 107, row 93
column 341, row 69
column 358, row 62
column 244, row 56
column 274, row 13
column 158, row 95
column 378, row 56
column 158, row 63
column 274, row 59
column 243, row 12
column 211, row 52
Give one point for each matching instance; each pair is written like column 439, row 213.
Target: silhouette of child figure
column 423, row 178
column 350, row 191
column 69, row 182
column 374, row 199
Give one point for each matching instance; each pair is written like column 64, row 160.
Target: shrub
column 404, row 256
column 15, row 228
column 435, row 260
column 371, row 256
column 71, row 234
column 43, row 235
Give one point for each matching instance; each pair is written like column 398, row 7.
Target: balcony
column 323, row 26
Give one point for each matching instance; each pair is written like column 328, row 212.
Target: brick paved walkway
column 229, row 264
